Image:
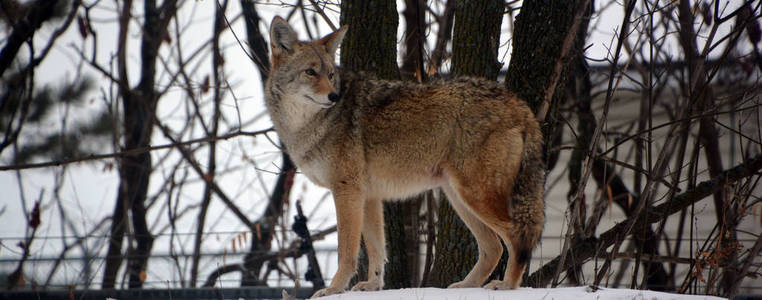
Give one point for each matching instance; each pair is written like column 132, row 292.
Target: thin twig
column 320, row 12
column 132, row 151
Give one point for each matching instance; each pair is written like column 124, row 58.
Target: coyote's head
column 304, row 71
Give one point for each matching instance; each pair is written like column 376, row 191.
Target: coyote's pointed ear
column 333, row 40
column 283, row 38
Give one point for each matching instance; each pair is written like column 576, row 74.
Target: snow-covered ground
column 576, row 293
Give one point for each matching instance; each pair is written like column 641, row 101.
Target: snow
column 576, row 293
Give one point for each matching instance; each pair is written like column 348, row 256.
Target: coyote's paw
column 499, row 285
column 326, row 291
column 463, row 284
column 370, row 285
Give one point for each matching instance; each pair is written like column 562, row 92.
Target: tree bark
column 370, row 44
column 476, row 38
column 455, row 248
column 541, row 27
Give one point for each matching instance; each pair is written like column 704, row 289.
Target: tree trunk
column 455, row 248
column 476, row 38
column 139, row 106
column 443, row 37
column 415, row 26
column 540, row 29
column 257, row 44
column 139, row 129
column 412, row 69
column 370, row 46
column 118, row 222
column 261, row 241
column 475, row 42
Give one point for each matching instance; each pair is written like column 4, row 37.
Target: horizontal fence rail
column 161, row 294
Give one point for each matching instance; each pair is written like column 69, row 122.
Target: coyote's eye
column 330, row 76
column 310, row 72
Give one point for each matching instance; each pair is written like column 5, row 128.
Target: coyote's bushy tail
column 528, row 206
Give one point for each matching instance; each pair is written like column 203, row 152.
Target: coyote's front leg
column 350, row 204
column 375, row 244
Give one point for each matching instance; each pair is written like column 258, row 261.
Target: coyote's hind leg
column 519, row 255
column 488, row 242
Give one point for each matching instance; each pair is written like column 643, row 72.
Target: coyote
column 384, row 140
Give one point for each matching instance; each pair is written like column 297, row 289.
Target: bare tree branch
column 39, row 12
column 591, row 246
column 133, row 151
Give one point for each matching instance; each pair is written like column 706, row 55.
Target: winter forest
column 136, row 151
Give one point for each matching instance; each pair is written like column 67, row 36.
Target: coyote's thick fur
column 391, row 140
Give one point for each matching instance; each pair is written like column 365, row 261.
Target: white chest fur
column 317, row 170
column 296, row 111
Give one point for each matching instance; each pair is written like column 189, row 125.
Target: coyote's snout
column 386, row 140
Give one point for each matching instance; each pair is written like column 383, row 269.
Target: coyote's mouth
column 323, row 105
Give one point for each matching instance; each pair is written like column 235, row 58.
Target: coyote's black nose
column 333, row 97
